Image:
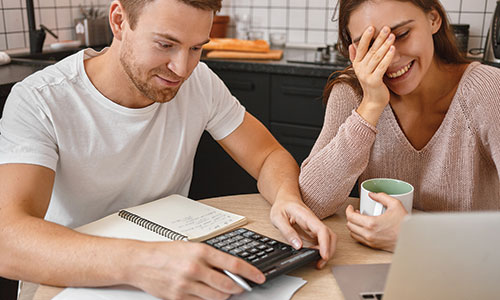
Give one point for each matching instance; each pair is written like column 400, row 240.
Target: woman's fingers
column 352, row 52
column 364, row 44
column 371, row 54
column 380, row 54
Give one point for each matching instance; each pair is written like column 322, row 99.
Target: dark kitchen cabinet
column 4, row 92
column 8, row 289
column 215, row 172
column 289, row 106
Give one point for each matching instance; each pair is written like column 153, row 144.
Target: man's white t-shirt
column 107, row 156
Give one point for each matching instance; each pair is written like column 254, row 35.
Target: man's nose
column 179, row 63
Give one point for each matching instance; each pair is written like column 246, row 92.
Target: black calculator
column 270, row 256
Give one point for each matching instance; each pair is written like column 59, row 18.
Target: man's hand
column 186, row 270
column 381, row 231
column 288, row 214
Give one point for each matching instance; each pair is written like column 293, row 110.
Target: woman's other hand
column 381, row 231
column 370, row 63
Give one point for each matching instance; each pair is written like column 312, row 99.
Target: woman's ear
column 117, row 19
column 435, row 20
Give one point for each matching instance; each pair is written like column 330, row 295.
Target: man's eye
column 164, row 45
column 196, row 48
column 403, row 35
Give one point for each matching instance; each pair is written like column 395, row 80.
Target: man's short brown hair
column 133, row 8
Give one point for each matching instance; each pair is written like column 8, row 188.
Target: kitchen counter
column 282, row 66
column 17, row 71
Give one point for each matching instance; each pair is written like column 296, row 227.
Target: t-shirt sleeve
column 226, row 112
column 26, row 131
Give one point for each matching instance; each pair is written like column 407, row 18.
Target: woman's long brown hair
column 445, row 46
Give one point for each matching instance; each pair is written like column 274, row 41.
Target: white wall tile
column 66, row 34
column 15, row 40
column 277, row 17
column 2, row 27
column 476, row 42
column 491, row 4
column 13, row 20
column 332, row 26
column 297, row 3
column 278, row 3
column 239, row 11
column 474, row 20
column 260, row 17
column 264, row 3
column 454, row 18
column 318, row 3
column 64, row 18
column 296, row 36
column 77, row 2
column 332, row 37
column 297, row 18
column 243, row 2
column 316, row 18
column 3, row 43
column 48, row 18
column 315, row 37
column 11, row 3
column 473, row 5
column 47, row 3
column 60, row 3
column 451, row 5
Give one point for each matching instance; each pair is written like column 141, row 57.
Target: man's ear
column 117, row 19
column 434, row 20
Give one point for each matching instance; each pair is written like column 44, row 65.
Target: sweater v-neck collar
column 454, row 105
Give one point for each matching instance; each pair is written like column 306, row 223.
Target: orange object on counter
column 219, row 27
column 274, row 54
column 237, row 45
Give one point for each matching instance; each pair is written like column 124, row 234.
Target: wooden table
column 320, row 283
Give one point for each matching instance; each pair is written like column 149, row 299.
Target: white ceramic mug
column 403, row 191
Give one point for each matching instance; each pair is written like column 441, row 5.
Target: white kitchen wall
column 57, row 15
column 309, row 21
column 303, row 21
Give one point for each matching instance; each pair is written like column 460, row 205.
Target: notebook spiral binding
column 152, row 226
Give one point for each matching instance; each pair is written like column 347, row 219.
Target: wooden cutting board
column 274, row 54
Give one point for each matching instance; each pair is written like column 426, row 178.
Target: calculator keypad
column 251, row 246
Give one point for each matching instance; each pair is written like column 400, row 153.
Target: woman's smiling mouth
column 400, row 72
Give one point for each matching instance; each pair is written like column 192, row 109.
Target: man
column 98, row 132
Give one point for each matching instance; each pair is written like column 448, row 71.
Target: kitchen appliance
column 492, row 47
column 461, row 32
column 323, row 56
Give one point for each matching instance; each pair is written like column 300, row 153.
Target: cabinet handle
column 300, row 91
column 241, row 85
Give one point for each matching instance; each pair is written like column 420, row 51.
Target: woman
column 410, row 107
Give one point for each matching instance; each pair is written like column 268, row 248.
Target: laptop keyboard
column 270, row 256
column 372, row 296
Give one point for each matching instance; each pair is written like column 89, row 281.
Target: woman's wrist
column 370, row 111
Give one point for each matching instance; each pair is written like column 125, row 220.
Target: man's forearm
column 39, row 251
column 279, row 176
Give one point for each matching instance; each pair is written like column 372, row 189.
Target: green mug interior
column 388, row 186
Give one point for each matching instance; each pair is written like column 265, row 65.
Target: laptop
column 438, row 256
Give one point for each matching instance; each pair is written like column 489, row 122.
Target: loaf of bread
column 237, row 45
column 274, row 54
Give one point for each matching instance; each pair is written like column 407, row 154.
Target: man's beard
column 143, row 80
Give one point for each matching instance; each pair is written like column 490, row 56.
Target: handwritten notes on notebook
column 280, row 288
column 175, row 213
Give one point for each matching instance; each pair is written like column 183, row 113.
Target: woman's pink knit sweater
column 458, row 169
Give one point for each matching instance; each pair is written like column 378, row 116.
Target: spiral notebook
column 171, row 218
